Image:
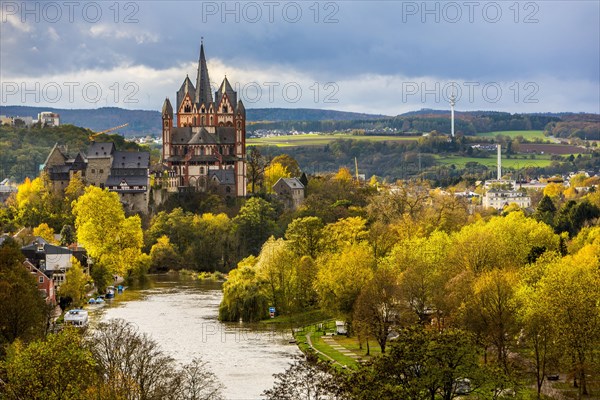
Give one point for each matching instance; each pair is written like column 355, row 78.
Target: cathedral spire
column 203, row 91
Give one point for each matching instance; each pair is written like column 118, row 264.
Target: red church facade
column 204, row 139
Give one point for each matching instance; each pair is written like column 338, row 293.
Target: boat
column 92, row 301
column 77, row 317
column 99, row 300
column 110, row 292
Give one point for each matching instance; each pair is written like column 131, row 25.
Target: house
column 6, row 189
column 54, row 261
column 44, row 283
column 290, row 191
column 202, row 136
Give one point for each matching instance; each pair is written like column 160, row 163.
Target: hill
column 145, row 122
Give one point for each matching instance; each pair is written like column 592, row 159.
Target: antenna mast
column 452, row 104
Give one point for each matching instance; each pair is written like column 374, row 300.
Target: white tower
column 452, row 104
column 499, row 161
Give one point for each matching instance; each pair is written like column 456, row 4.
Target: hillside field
column 313, row 139
column 527, row 135
column 518, row 161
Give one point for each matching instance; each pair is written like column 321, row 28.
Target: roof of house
column 292, row 183
column 129, row 180
column 101, row 150
column 223, row 176
column 131, row 159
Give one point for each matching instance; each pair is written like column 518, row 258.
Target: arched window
column 187, row 108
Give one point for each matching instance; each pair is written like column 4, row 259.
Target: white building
column 498, row 199
column 48, row 118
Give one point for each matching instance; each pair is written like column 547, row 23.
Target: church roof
column 167, row 108
column 226, row 88
column 223, row 176
column 186, row 87
column 202, row 136
column 203, row 90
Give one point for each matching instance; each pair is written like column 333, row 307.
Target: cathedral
column 204, row 147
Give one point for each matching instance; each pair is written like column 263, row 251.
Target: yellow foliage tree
column 45, row 232
column 110, row 239
column 343, row 175
column 554, row 189
column 273, row 173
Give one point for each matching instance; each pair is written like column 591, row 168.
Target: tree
column 112, row 240
column 305, row 235
column 420, row 364
column 253, row 225
column 22, row 309
column 492, row 310
column 343, row 175
column 289, row 163
column 244, row 295
column 75, row 284
column 571, row 287
column 307, row 379
column 67, row 235
column 377, row 308
column 273, row 173
column 545, row 211
column 164, row 256
column 342, row 276
column 59, row 367
column 45, row 232
column 256, row 168
column 132, row 366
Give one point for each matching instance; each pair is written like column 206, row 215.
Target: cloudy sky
column 384, row 57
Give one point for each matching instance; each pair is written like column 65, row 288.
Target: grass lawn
column 313, row 139
column 527, row 135
column 517, row 161
column 351, row 343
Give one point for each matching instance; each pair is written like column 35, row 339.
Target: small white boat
column 77, row 317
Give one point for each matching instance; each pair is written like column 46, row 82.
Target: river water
column 181, row 315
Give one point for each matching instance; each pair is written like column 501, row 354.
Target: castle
column 205, row 147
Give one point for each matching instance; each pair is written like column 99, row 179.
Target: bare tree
column 132, row 366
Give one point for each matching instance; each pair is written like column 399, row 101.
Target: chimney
column 499, row 161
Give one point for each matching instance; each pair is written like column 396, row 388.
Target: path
column 320, row 352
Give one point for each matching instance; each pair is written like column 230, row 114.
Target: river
column 181, row 315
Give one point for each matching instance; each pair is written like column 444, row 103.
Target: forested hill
column 144, row 122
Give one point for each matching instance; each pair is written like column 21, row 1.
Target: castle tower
column 167, row 127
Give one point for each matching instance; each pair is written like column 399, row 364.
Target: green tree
column 253, row 225
column 245, row 297
column 305, row 236
column 22, row 309
column 67, row 235
column 546, row 210
column 164, row 256
column 59, row 367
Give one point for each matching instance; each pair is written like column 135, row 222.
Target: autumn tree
column 342, row 276
column 164, row 256
column 305, row 236
column 377, row 307
column 273, row 172
column 256, row 168
column 45, row 232
column 75, row 284
column 111, row 239
column 289, row 163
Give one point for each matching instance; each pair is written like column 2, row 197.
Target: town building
column 6, row 189
column 499, row 198
column 204, row 139
column 54, row 261
column 16, row 121
column 44, row 284
column 123, row 172
column 290, row 191
column 48, row 118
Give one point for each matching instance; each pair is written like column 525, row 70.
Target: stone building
column 290, row 191
column 204, row 139
column 124, row 172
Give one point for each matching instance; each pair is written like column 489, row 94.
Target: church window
column 194, row 121
column 225, row 108
column 187, row 108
